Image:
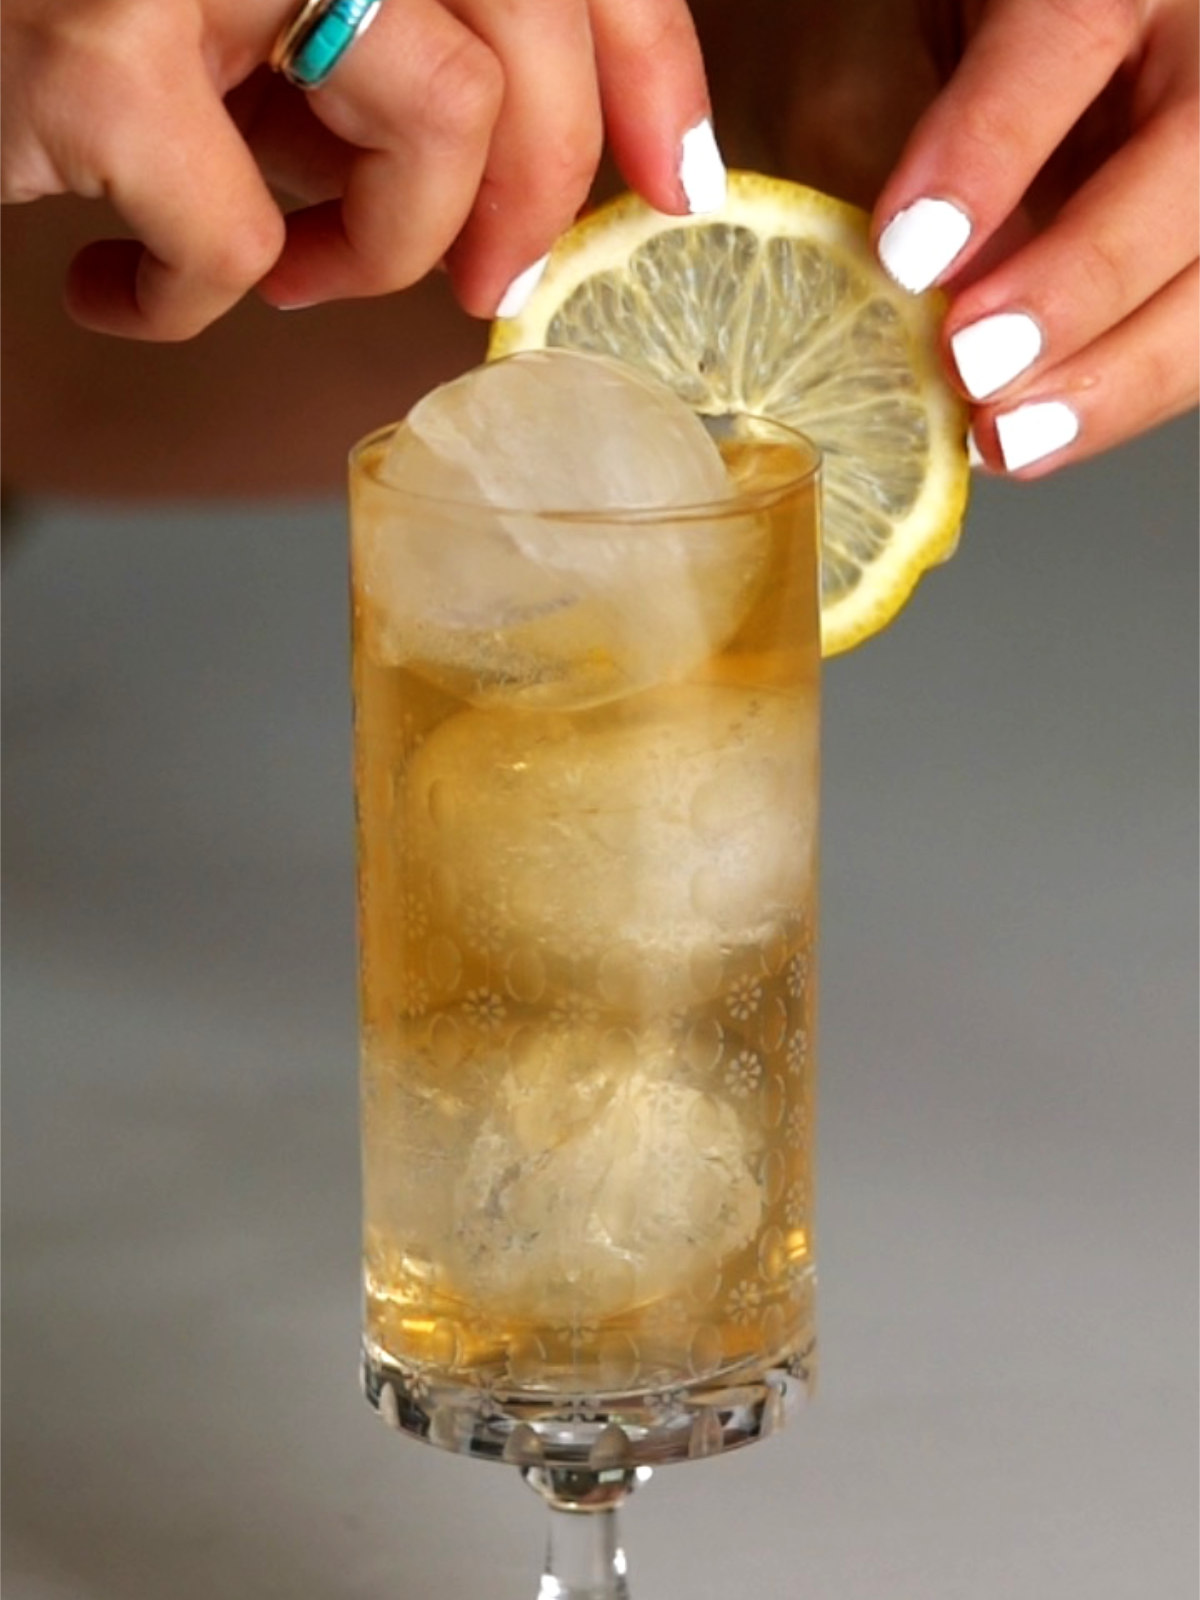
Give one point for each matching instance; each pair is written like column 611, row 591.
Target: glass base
column 596, row 1433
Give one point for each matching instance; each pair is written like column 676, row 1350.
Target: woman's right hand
column 457, row 130
column 1039, row 161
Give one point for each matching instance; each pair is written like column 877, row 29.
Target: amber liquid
column 588, row 992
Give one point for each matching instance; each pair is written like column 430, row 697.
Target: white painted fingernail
column 991, row 352
column 974, row 453
column 921, row 241
column 516, row 297
column 1035, row 430
column 701, row 170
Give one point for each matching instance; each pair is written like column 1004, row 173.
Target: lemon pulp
column 775, row 306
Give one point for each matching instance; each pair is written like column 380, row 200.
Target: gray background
column 1009, row 1053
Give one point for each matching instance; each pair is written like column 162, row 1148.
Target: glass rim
column 738, row 503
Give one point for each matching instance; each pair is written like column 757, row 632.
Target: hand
column 459, row 129
column 1074, row 327
column 1037, row 158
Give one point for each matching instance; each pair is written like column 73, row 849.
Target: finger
column 296, row 153
column 544, row 151
column 1129, row 230
column 1139, row 374
column 418, row 96
column 1029, row 72
column 206, row 226
column 656, row 106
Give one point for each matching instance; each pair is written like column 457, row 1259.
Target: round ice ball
column 667, row 825
column 471, row 578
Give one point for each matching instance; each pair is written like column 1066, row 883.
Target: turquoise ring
column 318, row 36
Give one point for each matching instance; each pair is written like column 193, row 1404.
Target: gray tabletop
column 1008, row 1121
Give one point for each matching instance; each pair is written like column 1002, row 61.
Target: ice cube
column 582, row 1198
column 556, row 430
column 646, row 833
column 481, row 591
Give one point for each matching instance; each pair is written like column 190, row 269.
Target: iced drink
column 587, row 769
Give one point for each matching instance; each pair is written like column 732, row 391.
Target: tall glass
column 587, row 835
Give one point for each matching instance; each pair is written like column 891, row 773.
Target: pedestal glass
column 587, row 839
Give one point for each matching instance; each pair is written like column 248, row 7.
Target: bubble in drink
column 519, row 605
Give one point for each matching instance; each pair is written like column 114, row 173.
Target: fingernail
column 701, row 170
column 516, row 297
column 975, row 457
column 1035, row 430
column 921, row 241
column 991, row 352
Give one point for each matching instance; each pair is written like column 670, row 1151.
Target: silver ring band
column 318, row 36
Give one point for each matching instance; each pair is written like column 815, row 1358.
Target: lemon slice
column 775, row 306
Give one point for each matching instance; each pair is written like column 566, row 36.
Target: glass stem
column 584, row 1558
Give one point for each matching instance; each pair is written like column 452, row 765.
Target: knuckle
column 239, row 258
column 464, row 89
column 87, row 83
column 27, row 171
column 383, row 275
column 1182, row 122
column 991, row 128
column 383, row 265
column 665, row 35
column 1160, row 375
column 568, row 165
column 177, row 327
column 1103, row 265
column 1107, row 25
